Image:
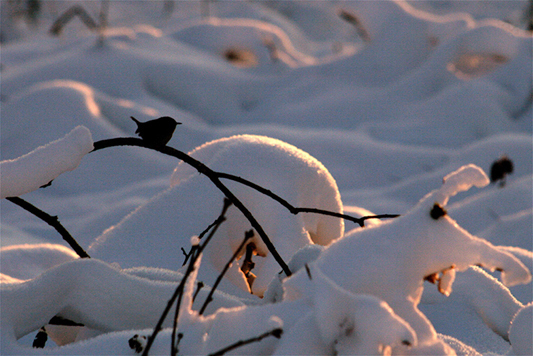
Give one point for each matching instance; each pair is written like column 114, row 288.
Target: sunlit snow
column 355, row 107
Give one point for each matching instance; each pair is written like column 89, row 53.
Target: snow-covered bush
column 44, row 164
column 392, row 260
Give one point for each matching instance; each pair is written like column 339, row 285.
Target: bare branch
column 275, row 332
column 52, row 221
column 215, row 224
column 196, row 251
column 296, row 210
column 352, row 19
column 247, row 236
column 68, row 15
column 212, row 175
column 177, row 293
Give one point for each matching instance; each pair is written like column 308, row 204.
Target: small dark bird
column 156, row 132
column 500, row 169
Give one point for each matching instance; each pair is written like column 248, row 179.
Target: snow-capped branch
column 39, row 167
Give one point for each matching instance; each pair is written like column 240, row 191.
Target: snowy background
column 357, row 106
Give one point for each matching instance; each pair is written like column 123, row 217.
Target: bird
column 156, row 132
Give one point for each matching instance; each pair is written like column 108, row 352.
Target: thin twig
column 199, row 286
column 52, row 221
column 356, row 23
column 76, row 10
column 275, row 332
column 173, row 346
column 196, row 251
column 208, row 172
column 296, row 210
column 177, row 292
column 221, row 218
column 247, row 236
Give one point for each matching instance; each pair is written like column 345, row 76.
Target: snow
column 283, row 169
column 410, row 248
column 400, row 111
column 42, row 165
column 519, row 335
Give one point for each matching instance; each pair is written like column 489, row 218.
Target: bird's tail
column 137, row 122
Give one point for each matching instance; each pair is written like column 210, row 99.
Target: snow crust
column 365, row 107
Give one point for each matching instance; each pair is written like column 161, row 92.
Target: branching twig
column 52, row 221
column 275, row 332
column 221, row 218
column 208, row 172
column 68, row 15
column 86, row 19
column 196, row 251
column 170, row 303
column 296, row 210
column 356, row 23
column 247, row 236
column 215, row 178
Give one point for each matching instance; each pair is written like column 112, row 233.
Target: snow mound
column 356, row 324
column 302, row 180
column 79, row 290
column 388, row 97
